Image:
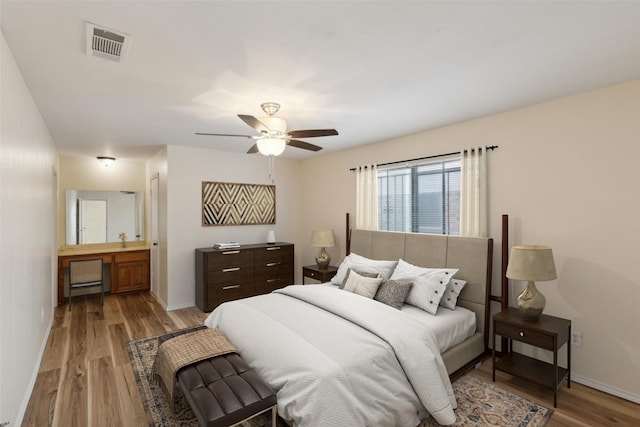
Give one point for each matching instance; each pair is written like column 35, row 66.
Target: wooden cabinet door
column 131, row 271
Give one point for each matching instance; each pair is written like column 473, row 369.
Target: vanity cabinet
column 227, row 274
column 129, row 268
column 131, row 272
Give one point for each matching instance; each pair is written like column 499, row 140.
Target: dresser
column 228, row 274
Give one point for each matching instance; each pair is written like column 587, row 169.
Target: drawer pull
column 230, row 252
column 229, row 270
column 230, row 287
column 274, row 248
column 522, row 333
column 273, row 280
column 273, row 264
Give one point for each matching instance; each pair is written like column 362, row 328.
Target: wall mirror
column 100, row 216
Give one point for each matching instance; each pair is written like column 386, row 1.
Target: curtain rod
column 491, row 147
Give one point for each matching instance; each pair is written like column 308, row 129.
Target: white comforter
column 338, row 359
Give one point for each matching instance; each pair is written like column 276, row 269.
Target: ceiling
column 371, row 70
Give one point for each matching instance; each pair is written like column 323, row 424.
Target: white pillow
column 365, row 286
column 360, row 263
column 453, row 289
column 429, row 284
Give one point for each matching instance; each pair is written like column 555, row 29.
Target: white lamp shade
column 271, row 146
column 531, row 263
column 323, row 238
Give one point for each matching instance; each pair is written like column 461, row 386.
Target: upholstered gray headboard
column 471, row 255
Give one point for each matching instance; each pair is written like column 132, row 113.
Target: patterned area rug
column 479, row 403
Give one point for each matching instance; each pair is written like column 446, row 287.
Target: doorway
column 93, row 221
column 155, row 250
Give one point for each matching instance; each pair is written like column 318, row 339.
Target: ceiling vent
column 107, row 44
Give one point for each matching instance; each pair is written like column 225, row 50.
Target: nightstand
column 548, row 332
column 321, row 274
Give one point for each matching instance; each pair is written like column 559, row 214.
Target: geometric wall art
column 225, row 203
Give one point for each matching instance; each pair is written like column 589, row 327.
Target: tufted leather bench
column 223, row 390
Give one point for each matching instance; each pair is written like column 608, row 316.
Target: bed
column 335, row 358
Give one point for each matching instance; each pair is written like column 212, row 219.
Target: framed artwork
column 225, row 203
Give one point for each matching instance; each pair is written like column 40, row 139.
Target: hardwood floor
column 85, row 378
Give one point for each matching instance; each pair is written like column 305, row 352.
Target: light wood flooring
column 85, row 378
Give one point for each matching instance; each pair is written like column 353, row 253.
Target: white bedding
column 379, row 368
column 450, row 327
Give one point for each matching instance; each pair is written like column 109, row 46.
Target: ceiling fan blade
column 253, row 149
column 254, row 123
column 303, row 145
column 221, row 134
column 310, row 133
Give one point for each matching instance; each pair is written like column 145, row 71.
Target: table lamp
column 323, row 238
column 531, row 263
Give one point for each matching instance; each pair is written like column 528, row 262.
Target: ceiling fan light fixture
column 271, row 146
column 275, row 124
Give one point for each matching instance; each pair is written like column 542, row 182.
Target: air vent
column 107, row 44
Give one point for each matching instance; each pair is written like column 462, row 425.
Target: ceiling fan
column 273, row 135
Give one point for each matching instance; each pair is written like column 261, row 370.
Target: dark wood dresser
column 228, row 274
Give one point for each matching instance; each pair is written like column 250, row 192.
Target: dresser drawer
column 538, row 339
column 273, row 254
column 219, row 260
column 230, row 276
column 229, row 292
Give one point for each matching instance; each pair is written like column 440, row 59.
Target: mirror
column 100, row 216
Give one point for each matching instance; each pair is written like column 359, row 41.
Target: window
column 421, row 198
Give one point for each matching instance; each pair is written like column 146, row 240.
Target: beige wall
column 27, row 239
column 565, row 171
column 187, row 168
column 87, row 173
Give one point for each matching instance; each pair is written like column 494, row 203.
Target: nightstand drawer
column 525, row 335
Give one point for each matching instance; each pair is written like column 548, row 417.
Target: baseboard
column 606, row 388
column 34, row 375
column 159, row 301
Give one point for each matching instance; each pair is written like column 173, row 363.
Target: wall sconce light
column 106, row 161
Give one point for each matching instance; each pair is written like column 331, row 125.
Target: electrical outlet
column 576, row 339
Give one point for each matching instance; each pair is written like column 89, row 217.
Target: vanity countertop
column 72, row 250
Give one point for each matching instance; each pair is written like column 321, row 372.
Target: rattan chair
column 86, row 273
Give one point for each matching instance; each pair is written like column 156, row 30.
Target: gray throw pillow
column 393, row 292
column 362, row 273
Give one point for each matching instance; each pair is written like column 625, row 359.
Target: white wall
column 27, row 239
column 566, row 172
column 187, row 168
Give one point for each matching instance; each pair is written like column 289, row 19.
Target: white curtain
column 473, row 192
column 367, row 197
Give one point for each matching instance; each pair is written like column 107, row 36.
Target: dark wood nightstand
column 321, row 274
column 548, row 332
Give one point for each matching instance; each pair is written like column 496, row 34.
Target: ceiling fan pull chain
column 271, row 163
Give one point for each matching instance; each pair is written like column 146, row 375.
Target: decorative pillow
column 365, row 286
column 393, row 292
column 428, row 284
column 360, row 263
column 453, row 289
column 362, row 273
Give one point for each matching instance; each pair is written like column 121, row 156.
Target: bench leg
column 274, row 415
